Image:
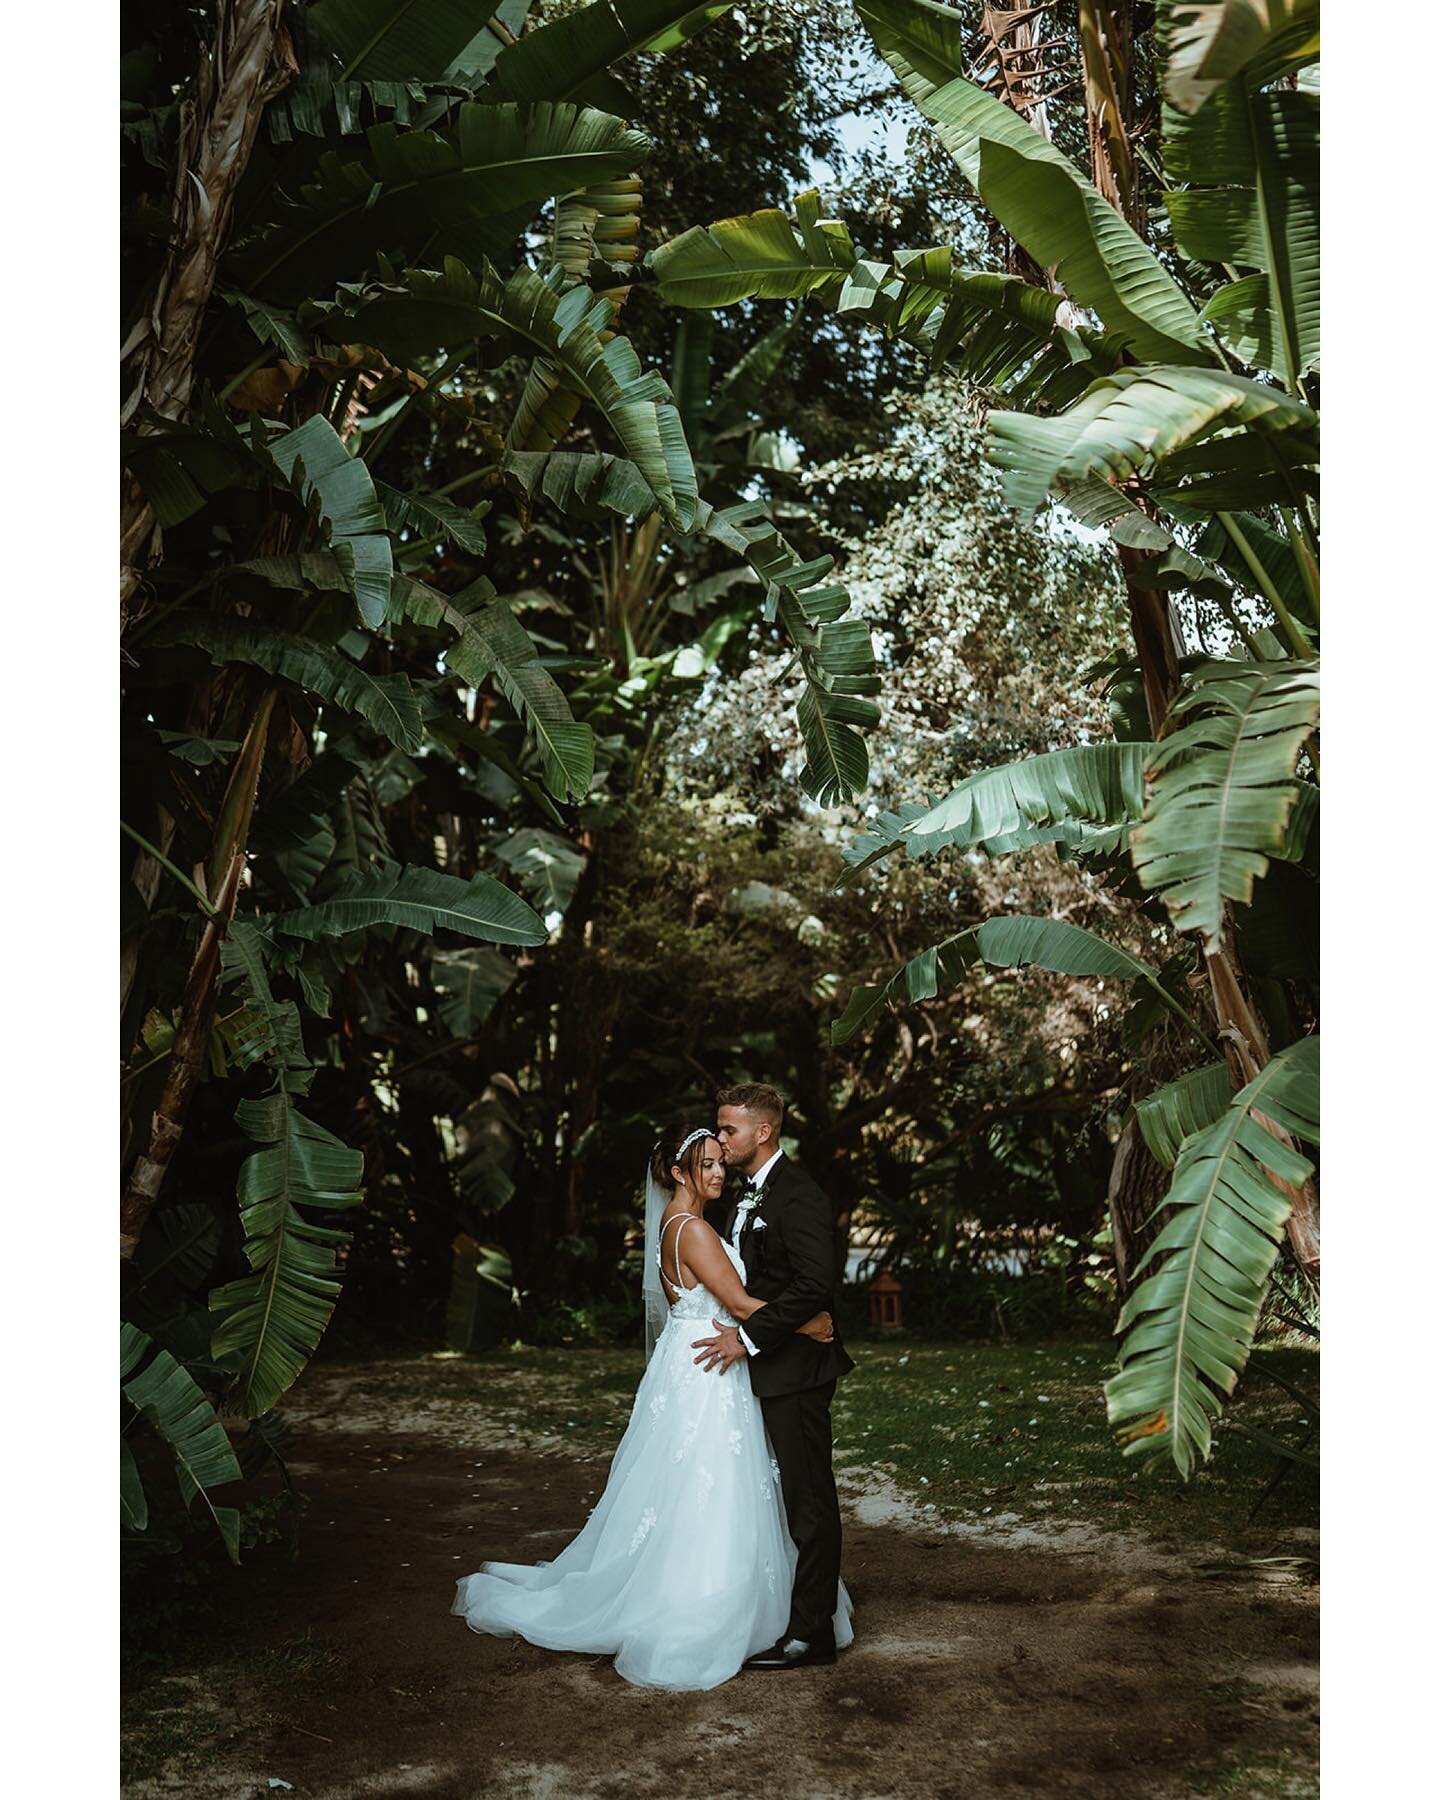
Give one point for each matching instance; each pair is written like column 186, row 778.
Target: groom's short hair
column 756, row 1097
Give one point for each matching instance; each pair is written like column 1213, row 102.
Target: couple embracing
column 716, row 1543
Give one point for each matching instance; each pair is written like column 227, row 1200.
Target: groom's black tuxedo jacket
column 788, row 1246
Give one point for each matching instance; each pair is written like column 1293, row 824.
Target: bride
column 684, row 1567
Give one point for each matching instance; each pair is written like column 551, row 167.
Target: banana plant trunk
column 187, row 1058
column 247, row 60
column 197, row 1004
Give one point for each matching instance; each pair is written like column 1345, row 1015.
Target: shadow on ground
column 980, row 1669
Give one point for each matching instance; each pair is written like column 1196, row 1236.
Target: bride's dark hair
column 667, row 1153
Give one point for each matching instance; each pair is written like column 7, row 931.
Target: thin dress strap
column 677, row 1283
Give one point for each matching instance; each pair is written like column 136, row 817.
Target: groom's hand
column 721, row 1350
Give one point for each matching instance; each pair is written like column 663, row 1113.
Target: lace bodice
column 696, row 1302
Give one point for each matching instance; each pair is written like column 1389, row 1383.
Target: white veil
column 657, row 1307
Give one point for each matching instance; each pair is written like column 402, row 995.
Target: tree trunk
column 187, row 1058
column 1107, row 31
column 248, row 60
column 197, row 1004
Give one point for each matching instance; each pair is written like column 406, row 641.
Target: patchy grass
column 188, row 1724
column 536, row 1399
column 972, row 1430
column 1272, row 1776
column 988, row 1429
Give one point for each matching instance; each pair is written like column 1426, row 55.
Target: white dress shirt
column 759, row 1180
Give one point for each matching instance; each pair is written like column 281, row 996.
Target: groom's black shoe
column 796, row 1653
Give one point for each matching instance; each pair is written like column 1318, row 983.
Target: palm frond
column 1188, row 1327
column 1223, row 787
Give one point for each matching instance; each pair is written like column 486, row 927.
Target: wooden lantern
column 885, row 1293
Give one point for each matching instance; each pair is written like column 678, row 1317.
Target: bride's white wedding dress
column 685, row 1564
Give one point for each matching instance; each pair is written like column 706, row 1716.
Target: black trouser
column 799, row 1428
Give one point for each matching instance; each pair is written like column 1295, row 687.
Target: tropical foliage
column 1153, row 369
column 374, row 373
column 444, row 507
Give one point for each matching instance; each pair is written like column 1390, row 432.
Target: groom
column 784, row 1229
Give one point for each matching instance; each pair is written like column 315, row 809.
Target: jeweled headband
column 694, row 1137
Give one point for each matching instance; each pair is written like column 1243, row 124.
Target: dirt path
column 1078, row 1665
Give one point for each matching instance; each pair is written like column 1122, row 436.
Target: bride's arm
column 704, row 1256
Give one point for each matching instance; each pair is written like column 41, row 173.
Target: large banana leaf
column 1189, row 1325
column 1246, row 194
column 420, row 900
column 1011, row 941
column 759, row 255
column 569, row 327
column 1271, row 551
column 172, row 1402
column 296, row 827
column 994, row 328
column 490, row 640
column 1279, row 931
column 547, row 408
column 267, row 1324
column 369, row 59
column 1082, row 798
column 322, row 471
column 583, row 484
column 560, row 59
column 470, row 983
column 547, row 867
column 480, row 55
column 836, row 655
column 361, row 841
column 1210, row 42
column 387, row 703
column 431, row 516
column 466, row 186
column 1223, row 787
column 1141, row 420
column 1035, row 192
column 1174, row 1112
column 398, row 40
column 134, row 1508
column 264, row 1029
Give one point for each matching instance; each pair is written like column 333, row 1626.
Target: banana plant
column 311, row 635
column 1009, row 941
column 162, row 1392
column 1192, row 440
column 1188, row 1327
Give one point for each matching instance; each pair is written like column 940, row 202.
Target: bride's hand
column 821, row 1328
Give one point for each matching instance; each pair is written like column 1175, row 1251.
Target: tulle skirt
column 684, row 1566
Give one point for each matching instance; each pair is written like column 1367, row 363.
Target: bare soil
column 988, row 1662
